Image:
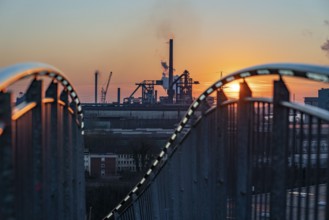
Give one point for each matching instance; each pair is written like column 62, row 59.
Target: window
column 102, row 172
column 103, row 159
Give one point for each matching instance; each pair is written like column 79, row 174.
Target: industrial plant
column 138, row 111
column 178, row 87
column 139, row 124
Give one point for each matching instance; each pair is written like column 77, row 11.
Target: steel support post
column 220, row 198
column 6, row 159
column 34, row 94
column 204, row 157
column 60, row 152
column 24, row 163
column 212, row 192
column 155, row 201
column 135, row 204
column 52, row 156
column 187, row 179
column 279, row 152
column 116, row 215
column 180, row 186
column 243, row 192
column 81, row 177
column 67, row 153
column 74, row 161
column 173, row 186
column 194, row 168
column 78, row 165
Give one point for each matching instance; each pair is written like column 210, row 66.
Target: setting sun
column 234, row 87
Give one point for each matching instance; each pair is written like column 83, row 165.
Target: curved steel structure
column 311, row 72
column 41, row 150
column 14, row 73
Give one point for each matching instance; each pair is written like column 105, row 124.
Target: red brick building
column 102, row 165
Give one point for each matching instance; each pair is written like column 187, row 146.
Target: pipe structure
column 96, row 85
column 171, row 91
column 119, row 96
column 155, row 96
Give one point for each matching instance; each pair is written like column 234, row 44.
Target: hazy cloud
column 326, row 22
column 325, row 45
column 173, row 17
column 307, row 33
column 164, row 29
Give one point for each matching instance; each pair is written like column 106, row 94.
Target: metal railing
column 41, row 151
column 251, row 158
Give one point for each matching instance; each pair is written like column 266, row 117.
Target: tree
column 141, row 150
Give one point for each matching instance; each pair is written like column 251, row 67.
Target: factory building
column 100, row 165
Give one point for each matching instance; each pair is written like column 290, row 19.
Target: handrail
column 48, row 100
column 14, row 73
column 21, row 109
column 308, row 109
column 228, row 102
column 2, row 127
column 10, row 75
column 259, row 99
column 249, row 99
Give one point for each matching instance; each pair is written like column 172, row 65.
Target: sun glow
column 235, row 87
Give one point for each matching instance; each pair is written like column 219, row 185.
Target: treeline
column 100, row 200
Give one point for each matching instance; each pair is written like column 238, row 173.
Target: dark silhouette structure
column 41, row 150
column 251, row 158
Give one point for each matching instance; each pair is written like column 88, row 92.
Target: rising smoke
column 325, row 45
column 326, row 22
column 164, row 65
column 174, row 17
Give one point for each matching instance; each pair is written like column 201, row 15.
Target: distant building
column 100, row 165
column 323, row 98
column 126, row 162
column 322, row 101
column 311, row 101
column 109, row 164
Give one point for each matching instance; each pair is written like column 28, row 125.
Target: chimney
column 156, row 96
column 171, row 91
column 119, row 96
column 96, row 85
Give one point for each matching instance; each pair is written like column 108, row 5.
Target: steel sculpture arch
column 311, row 72
column 14, row 73
column 41, row 155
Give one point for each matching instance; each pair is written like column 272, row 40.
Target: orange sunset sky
column 129, row 38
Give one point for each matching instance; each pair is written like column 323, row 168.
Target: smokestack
column 118, row 96
column 156, row 96
column 171, row 73
column 96, row 85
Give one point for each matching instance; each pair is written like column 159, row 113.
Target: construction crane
column 104, row 91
